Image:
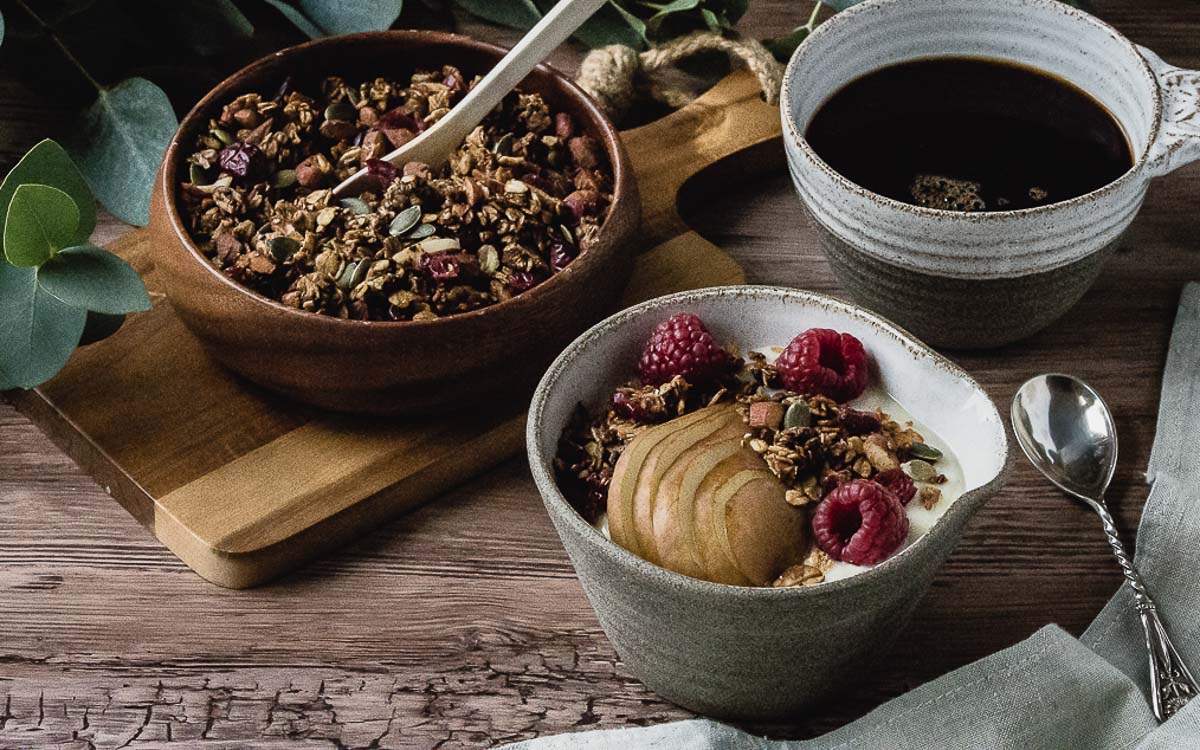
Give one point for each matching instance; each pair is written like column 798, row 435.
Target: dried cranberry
column 857, row 422
column 521, row 281
column 383, row 171
column 582, row 203
column 446, row 266
column 242, row 160
column 561, row 255
column 397, row 118
column 627, row 405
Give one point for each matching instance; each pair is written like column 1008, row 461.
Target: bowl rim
column 624, row 185
column 796, row 138
column 965, row 506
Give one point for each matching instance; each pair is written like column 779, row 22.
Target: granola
column 517, row 202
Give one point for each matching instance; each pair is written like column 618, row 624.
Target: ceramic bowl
column 390, row 367
column 982, row 279
column 760, row 653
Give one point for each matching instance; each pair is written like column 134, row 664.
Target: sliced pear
column 674, row 504
column 762, row 533
column 717, row 566
column 660, row 459
column 628, row 471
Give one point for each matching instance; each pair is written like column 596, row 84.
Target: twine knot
column 616, row 75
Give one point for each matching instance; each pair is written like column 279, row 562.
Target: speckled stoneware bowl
column 985, row 279
column 760, row 653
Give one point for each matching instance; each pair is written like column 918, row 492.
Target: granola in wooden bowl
column 434, row 289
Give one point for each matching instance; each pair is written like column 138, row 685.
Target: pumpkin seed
column 283, row 248
column 797, row 415
column 342, row 110
column 422, row 231
column 566, row 233
column 196, row 174
column 922, row 471
column 927, row 452
column 222, row 136
column 503, row 146
column 284, row 178
column 405, row 221
column 355, row 205
column 489, row 259
column 345, row 278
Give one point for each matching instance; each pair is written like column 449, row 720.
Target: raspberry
column 824, row 362
column 899, row 483
column 860, row 522
column 682, row 346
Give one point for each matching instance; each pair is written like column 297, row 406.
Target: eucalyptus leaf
column 99, row 326
column 94, row 279
column 122, row 140
column 783, row 47
column 298, row 19
column 48, row 164
column 41, row 221
column 209, row 25
column 612, row 24
column 38, row 331
column 516, row 14
column 341, row 17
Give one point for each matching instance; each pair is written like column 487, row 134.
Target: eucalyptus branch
column 52, row 35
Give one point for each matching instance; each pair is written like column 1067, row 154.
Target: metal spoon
column 434, row 146
column 1067, row 431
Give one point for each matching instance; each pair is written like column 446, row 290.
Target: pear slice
column 744, row 465
column 627, row 473
column 661, row 458
column 762, row 534
column 675, row 506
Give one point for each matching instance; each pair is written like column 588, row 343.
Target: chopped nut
column 929, row 497
column 881, row 457
column 766, row 414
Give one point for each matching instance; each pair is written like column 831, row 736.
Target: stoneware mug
column 760, row 653
column 975, row 280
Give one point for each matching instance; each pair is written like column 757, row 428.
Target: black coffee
column 969, row 134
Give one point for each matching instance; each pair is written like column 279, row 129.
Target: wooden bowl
column 385, row 367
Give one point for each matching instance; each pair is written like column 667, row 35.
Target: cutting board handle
column 730, row 117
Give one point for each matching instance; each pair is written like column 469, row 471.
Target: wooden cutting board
column 244, row 486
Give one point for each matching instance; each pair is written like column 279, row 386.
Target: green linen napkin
column 1050, row 690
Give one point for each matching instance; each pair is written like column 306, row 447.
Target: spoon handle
column 1171, row 684
column 434, row 145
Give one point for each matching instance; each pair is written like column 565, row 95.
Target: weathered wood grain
column 462, row 623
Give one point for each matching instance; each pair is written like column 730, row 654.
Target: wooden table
column 462, row 624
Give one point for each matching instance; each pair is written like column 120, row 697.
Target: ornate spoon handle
column 1171, row 684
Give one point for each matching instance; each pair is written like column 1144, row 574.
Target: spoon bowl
column 1067, row 431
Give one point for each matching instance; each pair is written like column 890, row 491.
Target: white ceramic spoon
column 434, row 146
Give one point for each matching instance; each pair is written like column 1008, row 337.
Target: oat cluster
column 518, row 201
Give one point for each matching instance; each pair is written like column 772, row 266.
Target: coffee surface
column 969, row 134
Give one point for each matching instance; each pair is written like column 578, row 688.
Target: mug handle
column 1178, row 141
